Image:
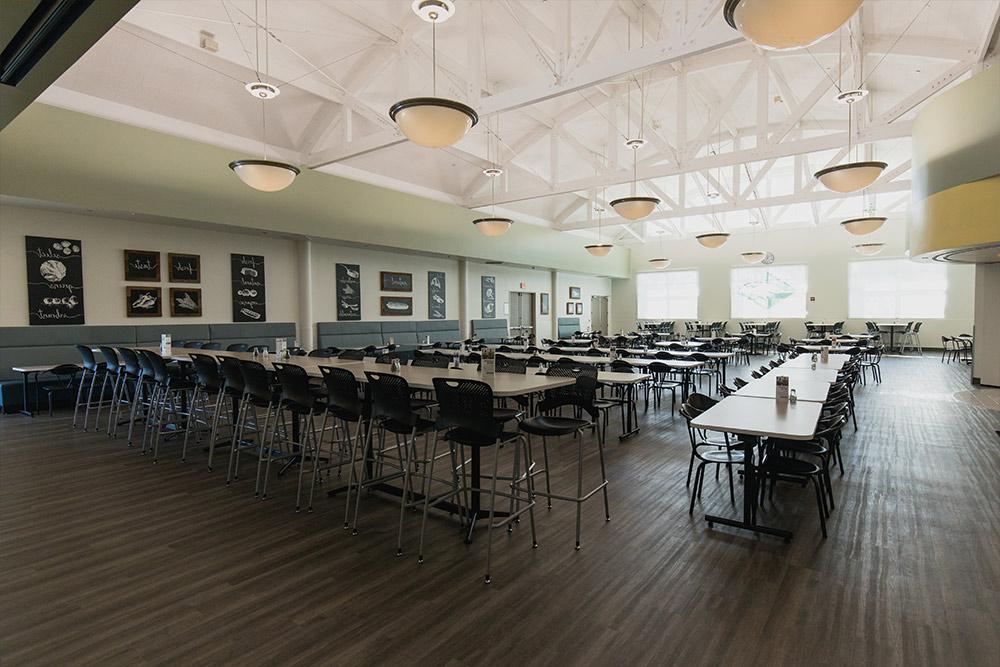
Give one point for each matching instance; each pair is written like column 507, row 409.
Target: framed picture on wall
column 397, row 305
column 579, row 308
column 569, row 309
column 543, row 303
column 396, row 282
column 55, row 280
column 143, row 301
column 185, row 301
column 575, row 293
column 142, row 265
column 184, row 268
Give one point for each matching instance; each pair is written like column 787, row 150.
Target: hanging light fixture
column 660, row 262
column 713, row 240
column 635, row 207
column 781, row 25
column 264, row 175
column 599, row 249
column 433, row 122
column 866, row 224
column 493, row 225
column 869, row 249
column 754, row 256
column 850, row 176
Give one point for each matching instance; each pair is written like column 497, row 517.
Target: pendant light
column 264, row 175
column 433, row 122
column 754, row 256
column 713, row 240
column 635, row 207
column 599, row 249
column 850, row 176
column 781, row 25
column 660, row 262
column 869, row 249
column 493, row 225
column 866, row 224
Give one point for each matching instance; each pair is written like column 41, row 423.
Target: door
column 522, row 314
column 599, row 314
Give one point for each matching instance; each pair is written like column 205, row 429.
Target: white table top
column 794, row 373
column 819, row 348
column 679, row 364
column 685, row 343
column 834, row 362
column 891, row 324
column 709, row 339
column 556, row 357
column 805, row 389
column 762, row 417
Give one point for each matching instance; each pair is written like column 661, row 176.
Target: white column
column 556, row 303
column 305, row 324
column 463, row 298
column 986, row 358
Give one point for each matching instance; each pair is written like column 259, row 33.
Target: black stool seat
column 783, row 465
column 422, row 403
column 721, row 456
column 404, row 428
column 545, row 425
column 505, row 414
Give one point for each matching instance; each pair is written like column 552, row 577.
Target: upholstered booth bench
column 567, row 326
column 492, row 331
column 405, row 334
column 53, row 345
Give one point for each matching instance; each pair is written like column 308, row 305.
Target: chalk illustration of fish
column 352, row 274
column 145, row 301
column 437, row 299
column 348, row 306
column 397, row 305
column 247, row 271
column 186, row 302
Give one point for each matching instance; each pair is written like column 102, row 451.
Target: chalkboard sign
column 55, row 280
column 248, row 288
column 184, row 268
column 393, row 281
column 489, row 289
column 143, row 301
column 185, row 301
column 348, row 292
column 397, row 305
column 142, row 265
column 437, row 305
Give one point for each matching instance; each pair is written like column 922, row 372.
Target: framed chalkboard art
column 55, row 280
column 184, row 268
column 249, row 298
column 348, row 278
column 488, row 296
column 143, row 301
column 397, row 305
column 543, row 303
column 185, row 301
column 436, row 301
column 396, row 282
column 142, row 266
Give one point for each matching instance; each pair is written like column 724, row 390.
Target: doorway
column 599, row 314
column 522, row 315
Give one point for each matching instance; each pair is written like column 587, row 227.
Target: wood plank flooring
column 108, row 559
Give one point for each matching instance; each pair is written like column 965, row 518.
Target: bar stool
column 467, row 418
column 206, row 400
column 167, row 389
column 94, row 369
column 258, row 393
column 114, row 372
column 345, row 405
column 142, row 397
column 580, row 396
column 391, row 412
column 232, row 388
column 123, row 395
column 302, row 401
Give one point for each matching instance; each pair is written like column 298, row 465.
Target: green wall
column 54, row 155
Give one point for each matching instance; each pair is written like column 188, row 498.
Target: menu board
column 248, row 288
column 489, row 297
column 437, row 305
column 348, row 278
column 55, row 280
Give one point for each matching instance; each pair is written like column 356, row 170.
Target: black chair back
column 322, row 354
column 431, row 361
column 206, row 369
column 110, row 357
column 236, row 347
column 581, row 394
column 343, row 390
column 256, row 381
column 160, row 372
column 87, row 356
column 193, row 345
column 466, row 404
column 146, row 370
column 232, row 374
column 513, row 366
column 212, row 346
column 390, row 397
column 131, row 361
column 295, row 385
column 353, row 355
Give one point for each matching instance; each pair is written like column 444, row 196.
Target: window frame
column 855, row 313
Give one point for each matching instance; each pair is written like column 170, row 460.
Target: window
column 894, row 288
column 768, row 292
column 667, row 295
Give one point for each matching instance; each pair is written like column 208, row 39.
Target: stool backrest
column 131, row 361
column 193, row 345
column 343, row 390
column 110, row 357
column 390, row 397
column 256, row 380
column 581, row 394
column 431, row 361
column 236, row 347
column 466, row 404
column 212, row 346
column 207, row 370
column 146, row 369
column 353, row 355
column 160, row 372
column 294, row 384
column 512, row 366
column 87, row 357
column 232, row 374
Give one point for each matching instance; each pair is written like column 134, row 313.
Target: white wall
column 104, row 241
column 825, row 250
column 509, row 279
column 589, row 286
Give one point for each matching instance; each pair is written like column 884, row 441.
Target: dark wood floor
column 106, row 558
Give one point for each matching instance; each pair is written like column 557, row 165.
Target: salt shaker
column 792, row 398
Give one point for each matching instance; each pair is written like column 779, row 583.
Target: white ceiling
column 557, row 84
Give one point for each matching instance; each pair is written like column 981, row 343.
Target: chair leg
column 304, row 450
column 410, row 446
column 317, row 451
column 427, row 498
column 820, row 504
column 366, row 453
column 579, row 485
column 699, row 473
column 79, row 396
column 90, row 399
column 213, row 433
column 732, row 494
column 493, row 501
column 360, row 438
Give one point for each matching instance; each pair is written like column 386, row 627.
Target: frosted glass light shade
column 788, row 24
column 753, row 257
column 265, row 175
column 869, row 249
column 634, row 208
column 433, row 122
column 659, row 263
column 493, row 226
column 712, row 240
column 850, row 177
column 862, row 226
column 599, row 249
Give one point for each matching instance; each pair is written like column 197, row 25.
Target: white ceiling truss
column 732, row 131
